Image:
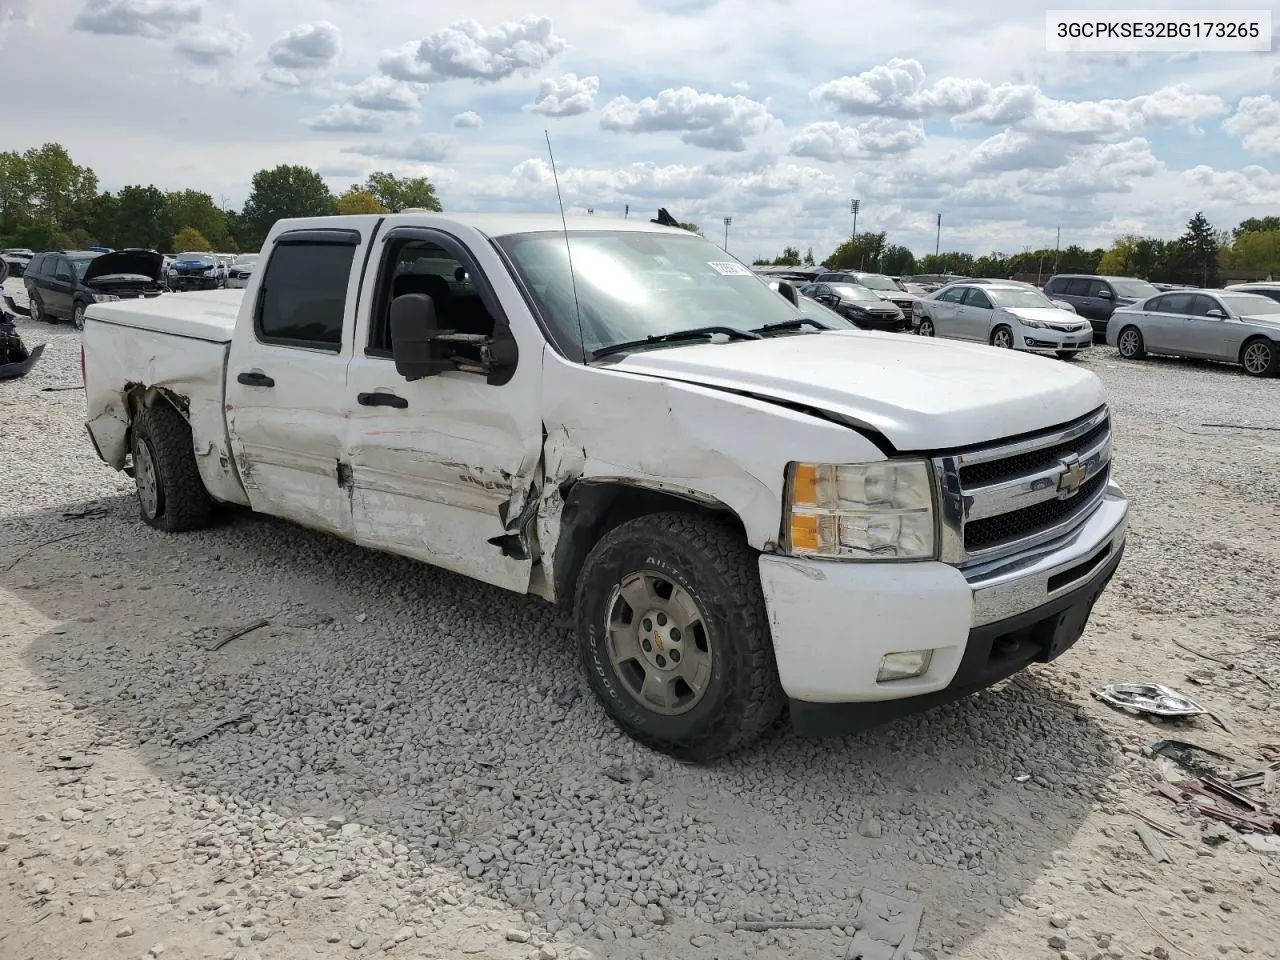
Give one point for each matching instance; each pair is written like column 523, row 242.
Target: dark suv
column 886, row 288
column 1096, row 298
column 60, row 285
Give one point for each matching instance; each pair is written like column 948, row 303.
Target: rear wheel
column 1259, row 357
column 1130, row 344
column 171, row 495
column 77, row 315
column 674, row 635
column 926, row 327
column 36, row 307
column 1002, row 337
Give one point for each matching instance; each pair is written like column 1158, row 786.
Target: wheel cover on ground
column 658, row 643
column 1257, row 357
column 144, row 476
column 1129, row 342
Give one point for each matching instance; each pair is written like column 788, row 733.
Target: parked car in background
column 197, row 271
column 885, row 287
column 1266, row 288
column 1241, row 328
column 16, row 260
column 61, row 285
column 1064, row 304
column 1008, row 315
column 1095, row 298
column 241, row 269
column 864, row 307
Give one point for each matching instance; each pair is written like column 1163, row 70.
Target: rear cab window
column 303, row 296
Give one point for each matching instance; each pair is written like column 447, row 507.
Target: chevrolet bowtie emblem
column 1072, row 476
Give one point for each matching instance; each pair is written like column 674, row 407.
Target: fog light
column 903, row 666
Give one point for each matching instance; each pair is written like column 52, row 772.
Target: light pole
column 937, row 243
column 853, row 208
column 727, row 222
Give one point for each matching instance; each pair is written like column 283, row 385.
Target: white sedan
column 241, row 269
column 1006, row 315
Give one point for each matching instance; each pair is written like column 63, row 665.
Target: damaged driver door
column 442, row 468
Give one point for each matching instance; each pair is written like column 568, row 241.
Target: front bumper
column 193, row 282
column 833, row 623
column 1052, row 341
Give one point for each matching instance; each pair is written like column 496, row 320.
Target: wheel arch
column 1254, row 338
column 594, row 507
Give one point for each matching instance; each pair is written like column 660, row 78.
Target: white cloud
column 12, row 12
column 1257, row 123
column 468, row 119
column 567, row 96
column 387, row 95
column 1253, row 185
column 211, row 46
column 833, row 141
column 426, row 149
column 307, row 50
column 709, row 120
column 468, row 51
column 138, row 18
column 345, row 118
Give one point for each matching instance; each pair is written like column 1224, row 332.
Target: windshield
column 851, row 291
column 877, row 283
column 1250, row 305
column 202, row 257
column 1138, row 289
column 81, row 264
column 1026, row 298
column 636, row 285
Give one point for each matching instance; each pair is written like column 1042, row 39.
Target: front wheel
column 1002, row 337
column 1259, row 358
column 926, row 327
column 171, row 495
column 674, row 636
column 77, row 315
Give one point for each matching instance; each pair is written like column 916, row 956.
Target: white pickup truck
column 746, row 507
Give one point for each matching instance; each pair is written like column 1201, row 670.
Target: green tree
column 100, row 216
column 139, row 218
column 995, row 265
column 285, row 191
column 1198, row 246
column 356, row 200
column 862, row 252
column 1255, row 255
column 898, row 260
column 790, row 257
column 808, row 258
column 1121, row 259
column 961, row 264
column 58, row 185
column 15, row 190
column 194, row 208
column 401, row 193
column 1076, row 259
column 1256, row 225
column 189, row 238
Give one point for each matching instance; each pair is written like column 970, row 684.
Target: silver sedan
column 1241, row 328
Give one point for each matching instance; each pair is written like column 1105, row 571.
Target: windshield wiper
column 693, row 333
column 795, row 324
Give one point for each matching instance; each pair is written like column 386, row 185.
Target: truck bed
column 199, row 315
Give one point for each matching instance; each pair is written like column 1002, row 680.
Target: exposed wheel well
column 592, row 508
column 138, row 398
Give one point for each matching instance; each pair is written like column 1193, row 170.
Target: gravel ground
column 407, row 761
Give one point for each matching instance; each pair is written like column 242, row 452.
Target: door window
column 953, row 295
column 1099, row 289
column 1078, row 287
column 977, row 298
column 1179, row 303
column 62, row 270
column 1200, row 305
column 303, row 296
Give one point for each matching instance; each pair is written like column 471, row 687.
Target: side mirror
column 790, row 292
column 415, row 338
column 1216, row 314
column 1105, row 295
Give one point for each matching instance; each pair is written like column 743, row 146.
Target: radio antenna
column 564, row 223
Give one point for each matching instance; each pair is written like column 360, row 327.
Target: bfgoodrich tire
column 171, row 495
column 674, row 636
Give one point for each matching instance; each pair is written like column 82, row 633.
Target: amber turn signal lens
column 804, row 486
column 804, row 532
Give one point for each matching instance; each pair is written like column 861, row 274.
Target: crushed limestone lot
column 405, row 763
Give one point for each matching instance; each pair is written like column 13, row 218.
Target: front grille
column 981, row 534
column 997, row 471
column 1006, row 497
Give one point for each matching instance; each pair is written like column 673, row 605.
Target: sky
column 776, row 114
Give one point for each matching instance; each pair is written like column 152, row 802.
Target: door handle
column 381, row 400
column 255, row 379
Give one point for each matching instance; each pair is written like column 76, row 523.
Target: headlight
column 104, row 297
column 872, row 511
column 1031, row 323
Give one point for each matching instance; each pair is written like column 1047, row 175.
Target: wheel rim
column 1129, row 343
column 926, row 328
column 77, row 316
column 1257, row 357
column 144, row 475
column 1003, row 339
column 35, row 309
column 658, row 643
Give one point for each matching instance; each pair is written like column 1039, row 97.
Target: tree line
column 1201, row 256
column 49, row 202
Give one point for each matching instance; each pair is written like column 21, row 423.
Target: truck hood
column 137, row 263
column 921, row 393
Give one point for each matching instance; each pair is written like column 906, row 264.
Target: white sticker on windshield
column 727, row 268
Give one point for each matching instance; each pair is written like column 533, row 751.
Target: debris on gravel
column 408, row 759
